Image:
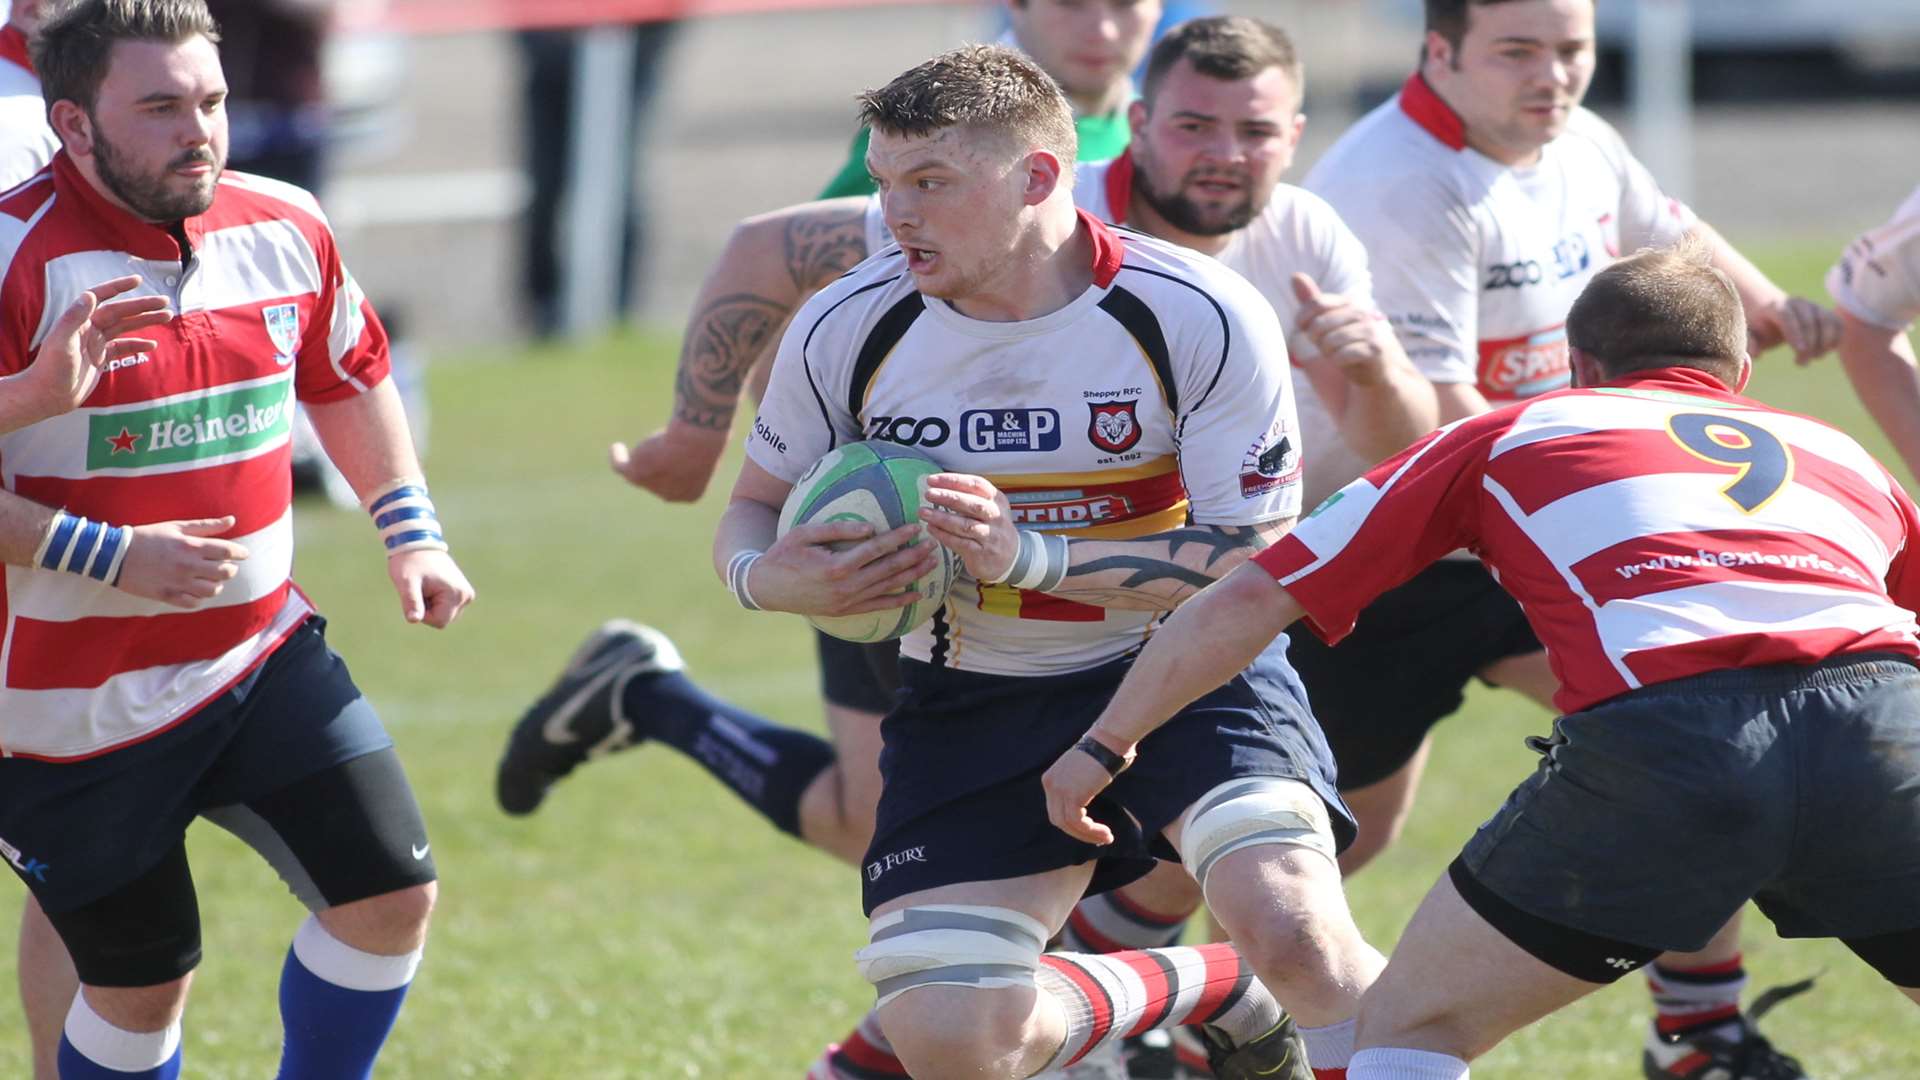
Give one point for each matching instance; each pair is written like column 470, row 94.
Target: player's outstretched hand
column 432, row 589
column 89, row 335
column 1810, row 330
column 183, row 563
column 841, row 568
column 1071, row 783
column 1344, row 333
column 676, row 463
column 971, row 518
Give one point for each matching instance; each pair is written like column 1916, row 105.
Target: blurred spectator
column 552, row 59
column 276, row 109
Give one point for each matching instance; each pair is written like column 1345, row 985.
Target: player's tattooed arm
column 1158, row 572
column 723, row 342
column 771, row 264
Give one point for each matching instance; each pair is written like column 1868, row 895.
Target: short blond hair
column 1662, row 307
column 988, row 88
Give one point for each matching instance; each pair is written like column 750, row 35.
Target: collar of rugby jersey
column 1108, row 254
column 1120, row 187
column 1677, row 380
column 13, row 47
column 123, row 231
column 1419, row 102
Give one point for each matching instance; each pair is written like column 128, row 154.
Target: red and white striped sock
column 1697, row 999
column 1112, row 996
column 1329, row 1049
column 864, row 1054
column 1112, row 921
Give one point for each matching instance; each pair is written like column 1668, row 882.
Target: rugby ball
column 878, row 483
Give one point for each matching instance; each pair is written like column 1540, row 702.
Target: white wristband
column 1040, row 563
column 737, row 568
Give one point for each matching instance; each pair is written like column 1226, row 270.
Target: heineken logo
column 213, row 425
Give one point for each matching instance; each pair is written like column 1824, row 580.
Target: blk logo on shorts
column 29, row 868
column 885, row 863
column 1113, row 426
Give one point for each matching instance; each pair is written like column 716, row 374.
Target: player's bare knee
column 140, row 1008
column 948, row 1031
column 389, row 924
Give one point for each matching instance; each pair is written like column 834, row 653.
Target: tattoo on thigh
column 720, row 350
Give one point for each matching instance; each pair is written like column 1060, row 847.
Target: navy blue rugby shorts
column 964, row 753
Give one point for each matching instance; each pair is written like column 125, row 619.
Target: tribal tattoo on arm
column 1158, row 572
column 740, row 328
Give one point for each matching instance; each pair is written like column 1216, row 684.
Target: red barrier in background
column 448, row 16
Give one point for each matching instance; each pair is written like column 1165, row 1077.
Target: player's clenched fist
column 676, row 463
column 432, row 589
column 971, row 518
column 841, row 568
column 1342, row 332
column 183, row 563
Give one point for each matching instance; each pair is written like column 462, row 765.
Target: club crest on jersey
column 1272, row 461
column 1113, row 426
column 283, row 329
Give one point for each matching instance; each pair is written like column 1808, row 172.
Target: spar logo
column 217, row 424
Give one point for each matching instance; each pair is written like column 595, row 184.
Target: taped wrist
column 1040, row 563
column 405, row 516
column 83, row 546
column 737, row 568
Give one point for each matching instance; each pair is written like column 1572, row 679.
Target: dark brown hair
column 1662, row 307
column 1224, row 47
column 76, row 39
column 1448, row 18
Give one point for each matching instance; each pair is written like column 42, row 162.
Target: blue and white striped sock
column 338, row 1005
column 93, row 1049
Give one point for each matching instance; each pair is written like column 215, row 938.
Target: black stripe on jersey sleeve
column 1226, row 330
column 833, row 438
column 880, row 341
column 1139, row 321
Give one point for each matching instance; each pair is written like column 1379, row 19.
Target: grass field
column 644, row 924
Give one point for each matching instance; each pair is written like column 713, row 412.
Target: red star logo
column 123, row 443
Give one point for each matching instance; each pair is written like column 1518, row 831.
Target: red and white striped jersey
column 26, row 142
column 197, row 428
column 1654, row 528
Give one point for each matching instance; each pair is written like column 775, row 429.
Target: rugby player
column 1090, row 47
column 1487, row 198
column 1181, row 419
column 26, row 142
column 1654, row 525
column 231, row 707
column 44, row 970
column 1216, row 127
column 1876, row 285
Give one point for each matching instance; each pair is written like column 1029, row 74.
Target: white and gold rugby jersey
column 1158, row 397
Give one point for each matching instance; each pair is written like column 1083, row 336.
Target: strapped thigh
column 1250, row 811
column 951, row 945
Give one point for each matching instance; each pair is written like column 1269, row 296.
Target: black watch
column 1115, row 764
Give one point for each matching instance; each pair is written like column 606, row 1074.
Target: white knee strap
column 951, row 945
column 1249, row 811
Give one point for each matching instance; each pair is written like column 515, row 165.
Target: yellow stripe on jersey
column 1159, row 466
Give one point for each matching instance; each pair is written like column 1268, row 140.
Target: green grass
column 644, row 924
